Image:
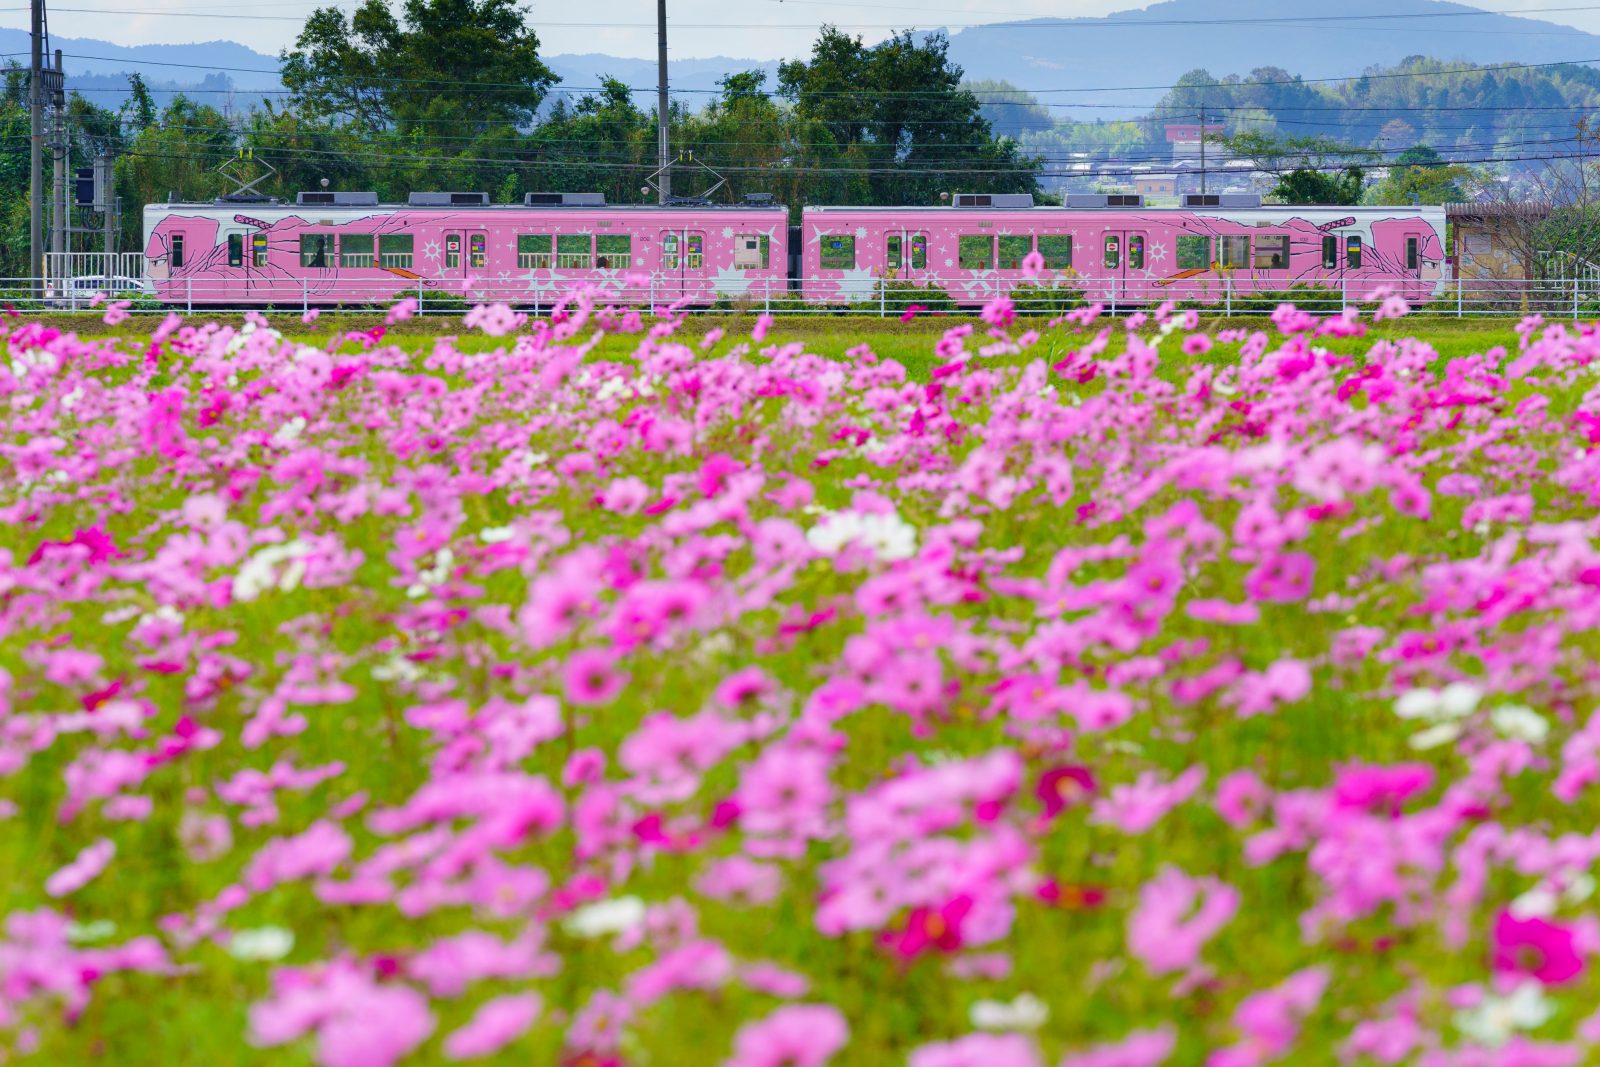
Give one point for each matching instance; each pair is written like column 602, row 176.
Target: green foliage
column 1315, row 187
column 446, row 67
column 1307, row 296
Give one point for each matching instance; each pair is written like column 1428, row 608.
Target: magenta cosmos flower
column 800, row 1035
column 1536, row 947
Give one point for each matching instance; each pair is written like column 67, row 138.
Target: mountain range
column 1112, row 66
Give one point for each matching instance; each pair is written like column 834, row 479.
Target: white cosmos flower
column 1520, row 723
column 1026, row 1012
column 888, row 536
column 1434, row 736
column 260, row 572
column 496, row 535
column 1493, row 1021
column 263, row 943
column 1536, row 903
column 606, row 917
column 1417, row 704
column 84, row 933
column 1459, row 699
column 290, row 431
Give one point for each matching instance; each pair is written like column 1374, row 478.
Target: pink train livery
column 346, row 248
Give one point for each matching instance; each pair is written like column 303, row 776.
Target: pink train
column 346, row 248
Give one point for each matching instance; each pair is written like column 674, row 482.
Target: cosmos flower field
column 613, row 691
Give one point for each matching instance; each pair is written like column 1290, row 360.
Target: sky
column 746, row 29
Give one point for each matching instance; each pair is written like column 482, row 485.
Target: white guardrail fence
column 1572, row 297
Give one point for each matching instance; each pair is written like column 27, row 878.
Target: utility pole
column 1202, row 149
column 36, row 152
column 663, row 141
column 59, row 204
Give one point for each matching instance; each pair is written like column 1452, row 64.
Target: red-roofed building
column 1185, row 139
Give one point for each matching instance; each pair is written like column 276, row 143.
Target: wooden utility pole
column 36, row 152
column 663, row 139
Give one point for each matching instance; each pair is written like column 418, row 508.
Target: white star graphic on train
column 857, row 283
column 727, row 232
column 861, row 232
column 1158, row 252
column 430, row 251
column 730, row 282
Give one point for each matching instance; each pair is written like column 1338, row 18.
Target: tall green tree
column 894, row 116
column 445, row 67
column 1317, row 187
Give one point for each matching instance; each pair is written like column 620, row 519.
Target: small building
column 1185, row 138
column 1493, row 240
column 1153, row 185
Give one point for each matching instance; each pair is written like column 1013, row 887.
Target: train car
column 346, row 248
column 1116, row 250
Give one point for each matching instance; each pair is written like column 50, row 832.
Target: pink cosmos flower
column 82, row 870
column 799, row 1035
column 1282, row 578
column 1196, row 344
column 1537, row 947
column 498, row 1023
column 592, row 677
column 978, row 1050
column 1060, row 788
column 931, row 929
column 1142, row 1048
column 1176, row 916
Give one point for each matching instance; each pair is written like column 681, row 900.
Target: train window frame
column 613, row 251
column 1111, row 255
column 258, row 249
column 1330, row 252
column 1012, row 260
column 568, row 254
column 1057, row 255
column 1413, row 252
column 968, row 247
column 478, row 250
column 1270, row 251
column 1233, row 251
column 918, row 250
column 235, row 249
column 452, row 251
column 358, row 251
column 893, row 244
column 842, row 254
column 1136, row 248
column 742, row 257
column 669, row 251
column 1188, row 244
column 528, row 255
column 1352, row 251
column 175, row 250
column 396, row 251
column 315, row 249
column 694, row 250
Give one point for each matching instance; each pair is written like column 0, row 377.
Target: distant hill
column 1066, row 63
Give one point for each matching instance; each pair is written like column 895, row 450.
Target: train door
column 906, row 254
column 466, row 252
column 683, row 264
column 1124, row 258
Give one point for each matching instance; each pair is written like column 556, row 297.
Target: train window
column 258, row 249
column 1057, row 252
column 669, row 251
column 1352, row 251
column 1413, row 254
column 314, row 249
column 533, row 251
column 452, row 251
column 356, row 250
column 751, row 251
column 1194, row 252
column 613, row 251
column 477, row 250
column 1330, row 253
column 1136, row 252
column 1272, row 252
column 975, row 252
column 838, row 251
column 693, row 251
column 919, row 251
column 1235, row 251
column 1113, row 257
column 574, row 251
column 176, row 254
column 1013, row 250
column 395, row 250
column 891, row 255
column 235, row 249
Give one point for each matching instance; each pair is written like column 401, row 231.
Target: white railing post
column 305, row 295
column 1460, row 288
column 1574, row 296
column 766, row 303
column 188, row 295
column 883, row 299
column 1227, row 295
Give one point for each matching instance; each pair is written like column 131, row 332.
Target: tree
column 1316, row 187
column 1279, row 156
column 892, row 121
column 1420, row 175
column 449, row 67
